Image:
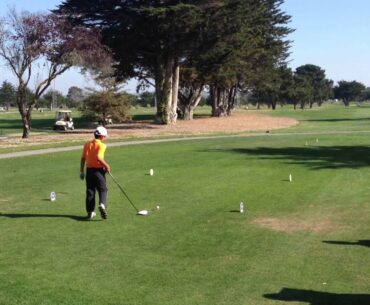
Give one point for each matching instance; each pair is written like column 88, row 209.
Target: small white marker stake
column 290, row 178
column 151, row 172
column 317, row 140
column 53, row 196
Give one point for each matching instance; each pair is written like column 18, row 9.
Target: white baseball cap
column 101, row 131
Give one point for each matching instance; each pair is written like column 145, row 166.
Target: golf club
column 142, row 212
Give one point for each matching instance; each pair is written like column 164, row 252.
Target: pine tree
column 225, row 44
column 7, row 94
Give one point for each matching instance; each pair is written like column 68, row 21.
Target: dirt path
column 143, row 129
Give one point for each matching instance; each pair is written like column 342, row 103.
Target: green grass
column 328, row 118
column 196, row 249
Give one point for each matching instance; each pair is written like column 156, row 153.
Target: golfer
column 96, row 167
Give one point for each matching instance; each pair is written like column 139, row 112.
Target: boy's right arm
column 105, row 164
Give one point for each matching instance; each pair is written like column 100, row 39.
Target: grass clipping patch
column 291, row 225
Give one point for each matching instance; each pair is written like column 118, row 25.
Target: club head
column 143, row 212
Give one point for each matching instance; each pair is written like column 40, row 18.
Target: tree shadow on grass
column 318, row 157
column 143, row 117
column 363, row 242
column 37, row 124
column 337, row 120
column 319, row 298
column 17, row 215
column 135, row 126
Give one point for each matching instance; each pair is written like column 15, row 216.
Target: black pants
column 95, row 181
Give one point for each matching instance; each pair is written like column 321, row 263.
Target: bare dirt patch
column 236, row 123
column 292, row 225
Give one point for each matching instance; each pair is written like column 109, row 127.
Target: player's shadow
column 362, row 242
column 312, row 297
column 18, row 215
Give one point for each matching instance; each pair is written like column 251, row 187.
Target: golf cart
column 63, row 120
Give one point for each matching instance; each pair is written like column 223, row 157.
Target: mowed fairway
column 300, row 242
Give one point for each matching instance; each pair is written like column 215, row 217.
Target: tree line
column 222, row 48
column 183, row 49
column 304, row 87
column 51, row 99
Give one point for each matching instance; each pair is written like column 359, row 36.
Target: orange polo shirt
column 93, row 150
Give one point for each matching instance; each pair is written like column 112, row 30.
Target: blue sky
column 333, row 34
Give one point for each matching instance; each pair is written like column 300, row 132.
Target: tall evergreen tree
column 74, row 96
column 7, row 94
column 303, row 91
column 321, row 87
column 349, row 91
column 243, row 42
column 225, row 42
column 149, row 40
